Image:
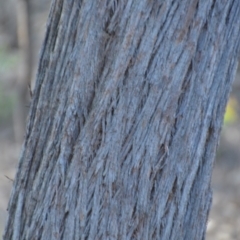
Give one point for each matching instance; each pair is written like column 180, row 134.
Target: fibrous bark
column 125, row 120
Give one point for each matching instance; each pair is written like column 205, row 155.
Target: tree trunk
column 8, row 24
column 23, row 81
column 125, row 120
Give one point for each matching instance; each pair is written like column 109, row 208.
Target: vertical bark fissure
column 53, row 23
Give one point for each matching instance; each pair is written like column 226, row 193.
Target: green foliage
column 231, row 114
column 7, row 61
column 6, row 105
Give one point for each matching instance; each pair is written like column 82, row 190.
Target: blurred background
column 22, row 28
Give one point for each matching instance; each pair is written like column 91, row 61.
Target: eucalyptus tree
column 125, row 120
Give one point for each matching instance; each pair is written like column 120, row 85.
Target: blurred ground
column 224, row 220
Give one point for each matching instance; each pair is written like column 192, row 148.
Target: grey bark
column 125, row 120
